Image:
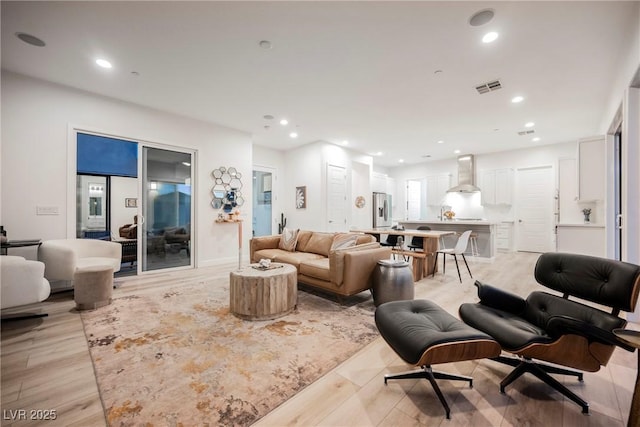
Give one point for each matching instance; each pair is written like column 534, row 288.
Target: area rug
column 176, row 356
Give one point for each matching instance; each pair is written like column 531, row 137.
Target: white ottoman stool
column 92, row 287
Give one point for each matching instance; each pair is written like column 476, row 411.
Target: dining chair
column 393, row 240
column 459, row 249
column 417, row 241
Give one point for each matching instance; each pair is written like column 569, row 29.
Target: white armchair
column 22, row 282
column 63, row 257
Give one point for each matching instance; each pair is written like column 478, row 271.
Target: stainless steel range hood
column 466, row 176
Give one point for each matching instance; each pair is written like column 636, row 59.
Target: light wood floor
column 46, row 366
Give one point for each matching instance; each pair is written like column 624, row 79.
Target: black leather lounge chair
column 551, row 328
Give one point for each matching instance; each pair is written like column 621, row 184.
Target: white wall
column 36, row 121
column 417, row 172
column 122, row 188
column 629, row 65
column 361, row 186
column 264, row 157
column 468, row 205
column 631, row 185
column 304, row 168
column 307, row 166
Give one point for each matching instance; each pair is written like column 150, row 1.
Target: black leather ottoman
column 423, row 334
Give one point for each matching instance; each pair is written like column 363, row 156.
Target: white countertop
column 451, row 222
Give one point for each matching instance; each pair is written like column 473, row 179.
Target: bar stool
column 473, row 242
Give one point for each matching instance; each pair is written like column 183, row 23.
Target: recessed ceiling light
column 293, row 135
column 345, row 142
column 103, row 63
column 536, row 139
column 284, row 122
column 441, row 142
column 529, row 124
column 481, row 17
column 400, row 160
column 265, row 44
column 29, row 39
column 517, row 99
column 456, row 151
column 490, row 37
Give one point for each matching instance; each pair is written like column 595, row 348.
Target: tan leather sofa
column 343, row 272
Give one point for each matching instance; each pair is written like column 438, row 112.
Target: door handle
column 519, row 220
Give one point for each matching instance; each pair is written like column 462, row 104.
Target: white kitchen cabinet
column 503, row 236
column 584, row 239
column 379, row 183
column 437, row 186
column 390, row 185
column 591, row 169
column 496, row 186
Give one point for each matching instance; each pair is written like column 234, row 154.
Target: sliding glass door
column 166, row 208
column 138, row 194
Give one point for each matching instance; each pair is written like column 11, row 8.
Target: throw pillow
column 343, row 241
column 288, row 239
column 320, row 243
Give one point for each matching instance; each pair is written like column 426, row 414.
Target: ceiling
column 390, row 77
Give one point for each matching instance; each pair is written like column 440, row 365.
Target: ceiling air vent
column 526, row 132
column 489, row 87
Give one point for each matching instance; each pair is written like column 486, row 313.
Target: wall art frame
column 301, row 197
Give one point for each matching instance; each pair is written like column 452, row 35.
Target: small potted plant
column 586, row 212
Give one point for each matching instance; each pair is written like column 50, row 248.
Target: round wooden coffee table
column 256, row 294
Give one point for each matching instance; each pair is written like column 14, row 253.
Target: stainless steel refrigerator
column 381, row 210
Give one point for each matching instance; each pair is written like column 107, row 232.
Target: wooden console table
column 239, row 222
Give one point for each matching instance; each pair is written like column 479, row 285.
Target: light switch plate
column 47, row 210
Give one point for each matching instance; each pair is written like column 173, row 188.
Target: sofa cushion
column 280, row 255
column 317, row 268
column 303, row 239
column 343, row 241
column 365, row 238
column 288, row 239
column 320, row 243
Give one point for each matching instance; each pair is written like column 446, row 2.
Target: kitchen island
column 486, row 231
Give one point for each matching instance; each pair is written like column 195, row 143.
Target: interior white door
column 534, row 209
column 336, row 198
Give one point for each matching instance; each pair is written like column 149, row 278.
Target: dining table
column 424, row 261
